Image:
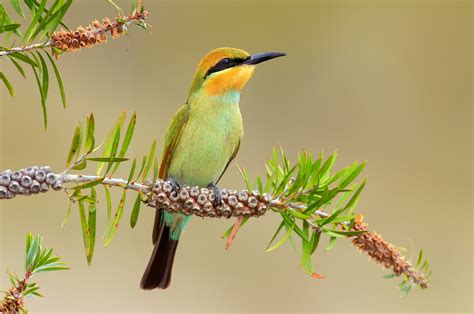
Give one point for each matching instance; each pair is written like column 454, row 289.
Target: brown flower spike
column 385, row 254
column 94, row 34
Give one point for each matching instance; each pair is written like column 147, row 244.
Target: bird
column 202, row 139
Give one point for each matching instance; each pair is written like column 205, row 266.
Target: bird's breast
column 208, row 142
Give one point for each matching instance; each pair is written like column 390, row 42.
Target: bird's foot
column 174, row 184
column 217, row 194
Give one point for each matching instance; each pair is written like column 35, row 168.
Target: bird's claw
column 217, row 194
column 174, row 184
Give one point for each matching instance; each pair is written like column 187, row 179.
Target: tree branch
column 95, row 33
column 200, row 202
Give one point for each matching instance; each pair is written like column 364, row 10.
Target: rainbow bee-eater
column 203, row 137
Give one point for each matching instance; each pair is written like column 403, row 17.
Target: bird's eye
column 225, row 61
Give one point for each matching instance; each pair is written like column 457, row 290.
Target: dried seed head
column 183, row 194
column 5, row 179
column 14, row 186
column 224, row 194
column 212, row 196
column 16, row 175
column 243, row 196
column 194, row 191
column 261, row 208
column 30, row 171
column 208, row 207
column 161, row 197
column 226, row 211
column 174, row 196
column 3, row 192
column 189, row 203
column 252, row 202
column 232, row 201
column 35, row 187
column 46, row 169
column 44, row 188
column 267, row 197
column 202, row 199
column 196, row 208
column 58, row 185
column 167, row 188
column 40, row 175
column 51, row 178
column 26, row 181
column 205, row 191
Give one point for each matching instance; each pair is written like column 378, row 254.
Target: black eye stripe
column 223, row 64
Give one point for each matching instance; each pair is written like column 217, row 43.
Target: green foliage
column 311, row 199
column 38, row 258
column 114, row 149
column 39, row 23
column 30, row 26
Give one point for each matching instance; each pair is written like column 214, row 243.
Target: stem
column 10, row 51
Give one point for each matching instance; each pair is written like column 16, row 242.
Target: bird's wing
column 236, row 150
column 173, row 134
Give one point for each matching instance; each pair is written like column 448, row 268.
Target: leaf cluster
column 113, row 152
column 40, row 23
column 312, row 200
column 38, row 258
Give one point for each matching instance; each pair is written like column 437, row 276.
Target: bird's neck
column 229, row 98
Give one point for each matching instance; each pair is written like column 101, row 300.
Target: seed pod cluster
column 12, row 301
column 385, row 254
column 201, row 201
column 93, row 34
column 28, row 181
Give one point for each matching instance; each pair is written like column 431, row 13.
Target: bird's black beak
column 261, row 57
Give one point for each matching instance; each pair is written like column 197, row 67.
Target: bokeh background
column 385, row 81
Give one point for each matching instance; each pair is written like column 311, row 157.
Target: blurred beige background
column 385, row 81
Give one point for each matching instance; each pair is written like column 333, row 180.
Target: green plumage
column 205, row 135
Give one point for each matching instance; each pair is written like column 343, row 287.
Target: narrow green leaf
column 388, row 276
column 331, row 244
column 111, row 142
column 132, row 170
column 68, row 214
column 58, row 80
column 108, row 159
column 7, row 83
column 75, row 146
column 127, row 138
column 24, row 58
column 315, row 237
column 91, row 228
column 283, row 239
column 84, row 228
column 9, row 28
column 332, row 217
column 27, row 38
column 282, row 224
column 351, row 175
column 45, row 75
column 109, row 203
column 89, row 184
column 350, row 206
column 144, row 159
column 135, row 211
column 18, row 67
column 114, row 223
column 149, row 162
column 16, row 5
column 43, row 99
column 90, row 130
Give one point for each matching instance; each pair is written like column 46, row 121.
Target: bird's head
column 225, row 70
